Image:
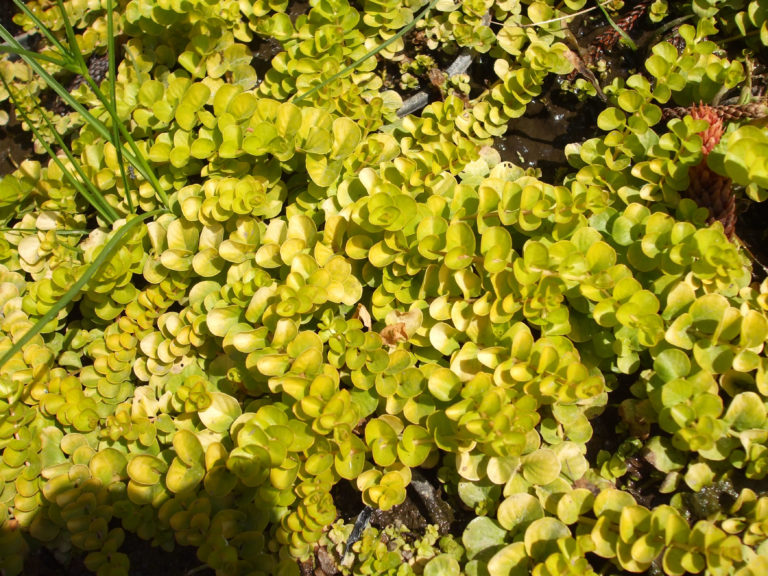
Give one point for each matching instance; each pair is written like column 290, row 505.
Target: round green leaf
column 220, row 320
column 672, row 363
column 541, row 537
column 443, row 384
column 610, row 502
column 512, row 560
column 108, row 465
column 518, row 511
column 188, row 448
column 145, row 469
column 611, row 119
column 415, row 446
column 382, row 439
column 346, row 137
column 443, row 338
column 541, row 467
column 350, row 459
column 219, row 481
column 250, row 463
column 481, row 534
column 182, row 478
column 574, row 504
column 746, row 411
column 221, row 413
column 442, row 565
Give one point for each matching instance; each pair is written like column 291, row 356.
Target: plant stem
column 5, row 49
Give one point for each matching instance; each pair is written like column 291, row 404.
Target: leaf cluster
column 268, row 285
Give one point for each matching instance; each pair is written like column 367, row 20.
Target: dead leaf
column 363, row 315
column 393, row 334
column 411, row 319
column 582, row 69
column 326, row 562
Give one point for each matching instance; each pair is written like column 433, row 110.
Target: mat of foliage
column 235, row 289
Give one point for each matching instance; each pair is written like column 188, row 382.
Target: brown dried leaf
column 582, row 69
column 363, row 315
column 393, row 334
column 411, row 319
column 326, row 562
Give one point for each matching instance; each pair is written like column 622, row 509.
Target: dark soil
column 538, row 139
column 146, row 560
column 7, row 11
column 751, row 230
column 406, row 514
column 347, row 500
column 264, row 49
column 15, row 146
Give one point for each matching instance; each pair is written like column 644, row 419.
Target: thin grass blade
column 85, row 188
column 57, row 87
column 145, row 170
column 402, row 32
column 135, row 157
column 112, row 79
column 106, row 252
column 74, row 47
column 63, row 50
column 624, row 35
column 5, row 49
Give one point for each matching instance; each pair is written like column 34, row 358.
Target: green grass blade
column 85, row 188
column 144, row 169
column 74, row 47
column 105, row 253
column 94, row 198
column 63, row 50
column 139, row 162
column 112, row 79
column 402, row 32
column 624, row 35
column 137, row 159
column 6, row 49
column 134, row 156
column 58, row 88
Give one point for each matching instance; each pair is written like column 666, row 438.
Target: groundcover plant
column 267, row 288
